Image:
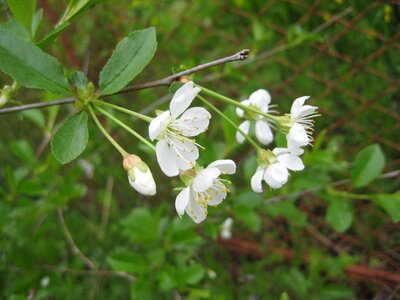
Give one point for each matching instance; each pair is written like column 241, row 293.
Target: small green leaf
column 78, row 7
column 368, row 165
column 129, row 58
column 340, row 214
column 29, row 65
column 23, row 10
column 390, row 203
column 128, row 262
column 71, row 138
column 37, row 19
column 52, row 36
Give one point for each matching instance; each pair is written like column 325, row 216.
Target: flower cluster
column 177, row 151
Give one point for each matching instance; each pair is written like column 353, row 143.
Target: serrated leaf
column 129, row 58
column 340, row 214
column 390, row 203
column 29, row 65
column 368, row 165
column 71, row 138
column 23, row 11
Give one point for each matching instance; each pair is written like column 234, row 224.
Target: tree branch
column 241, row 55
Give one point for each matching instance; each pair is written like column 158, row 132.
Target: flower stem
column 249, row 139
column 237, row 104
column 104, row 131
column 127, row 128
column 122, row 109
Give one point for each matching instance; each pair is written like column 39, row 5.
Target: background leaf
column 129, row 58
column 23, row 10
column 368, row 165
column 29, row 65
column 340, row 214
column 71, row 138
column 391, row 204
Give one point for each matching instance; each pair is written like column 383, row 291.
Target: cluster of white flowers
column 177, row 151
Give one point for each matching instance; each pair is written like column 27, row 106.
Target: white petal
column 159, row 124
column 218, row 193
column 195, row 211
column 276, row 175
column 185, row 151
column 204, row 179
column 166, row 159
column 296, row 106
column 294, row 148
column 144, row 182
column 261, row 99
column 227, row 166
column 290, row 161
column 298, row 135
column 256, row 180
column 278, row 151
column 306, row 110
column 263, row 132
column 182, row 99
column 240, row 111
column 182, row 201
column 193, row 121
column 245, row 126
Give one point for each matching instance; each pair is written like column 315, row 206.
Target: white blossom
column 301, row 125
column 260, row 100
column 173, row 129
column 139, row 175
column 205, row 188
column 226, row 229
column 274, row 167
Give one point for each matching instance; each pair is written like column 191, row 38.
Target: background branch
column 241, row 55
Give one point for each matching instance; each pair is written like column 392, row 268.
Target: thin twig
column 241, row 55
column 71, row 242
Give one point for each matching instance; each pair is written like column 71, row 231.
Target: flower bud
column 139, row 175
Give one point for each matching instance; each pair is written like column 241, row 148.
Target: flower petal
column 296, row 106
column 159, row 124
column 182, row 201
column 218, row 193
column 306, row 110
column 290, row 161
column 166, row 159
column 195, row 211
column 256, row 180
column 278, row 151
column 294, row 148
column 193, row 121
column 298, row 135
column 261, row 99
column 227, row 166
column 276, row 175
column 204, row 179
column 263, row 132
column 245, row 126
column 240, row 111
column 182, row 98
column 144, row 182
column 185, row 151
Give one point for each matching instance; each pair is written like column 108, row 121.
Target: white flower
column 172, row 128
column 274, row 168
column 205, row 189
column 301, row 125
column 260, row 100
column 226, row 231
column 139, row 175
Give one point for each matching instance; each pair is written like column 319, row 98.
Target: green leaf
column 129, row 58
column 284, row 296
column 36, row 116
column 390, row 203
column 128, row 262
column 23, row 10
column 29, row 65
column 368, row 165
column 71, row 138
column 248, row 216
column 340, row 214
column 37, row 19
column 78, row 7
column 16, row 28
column 52, row 36
column 23, row 151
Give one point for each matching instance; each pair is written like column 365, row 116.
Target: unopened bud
column 139, row 175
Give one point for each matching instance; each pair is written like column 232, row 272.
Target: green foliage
column 24, row 12
column 391, row 204
column 29, row 65
column 339, row 214
column 71, row 138
column 129, row 58
column 368, row 165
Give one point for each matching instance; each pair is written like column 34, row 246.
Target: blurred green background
column 79, row 231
